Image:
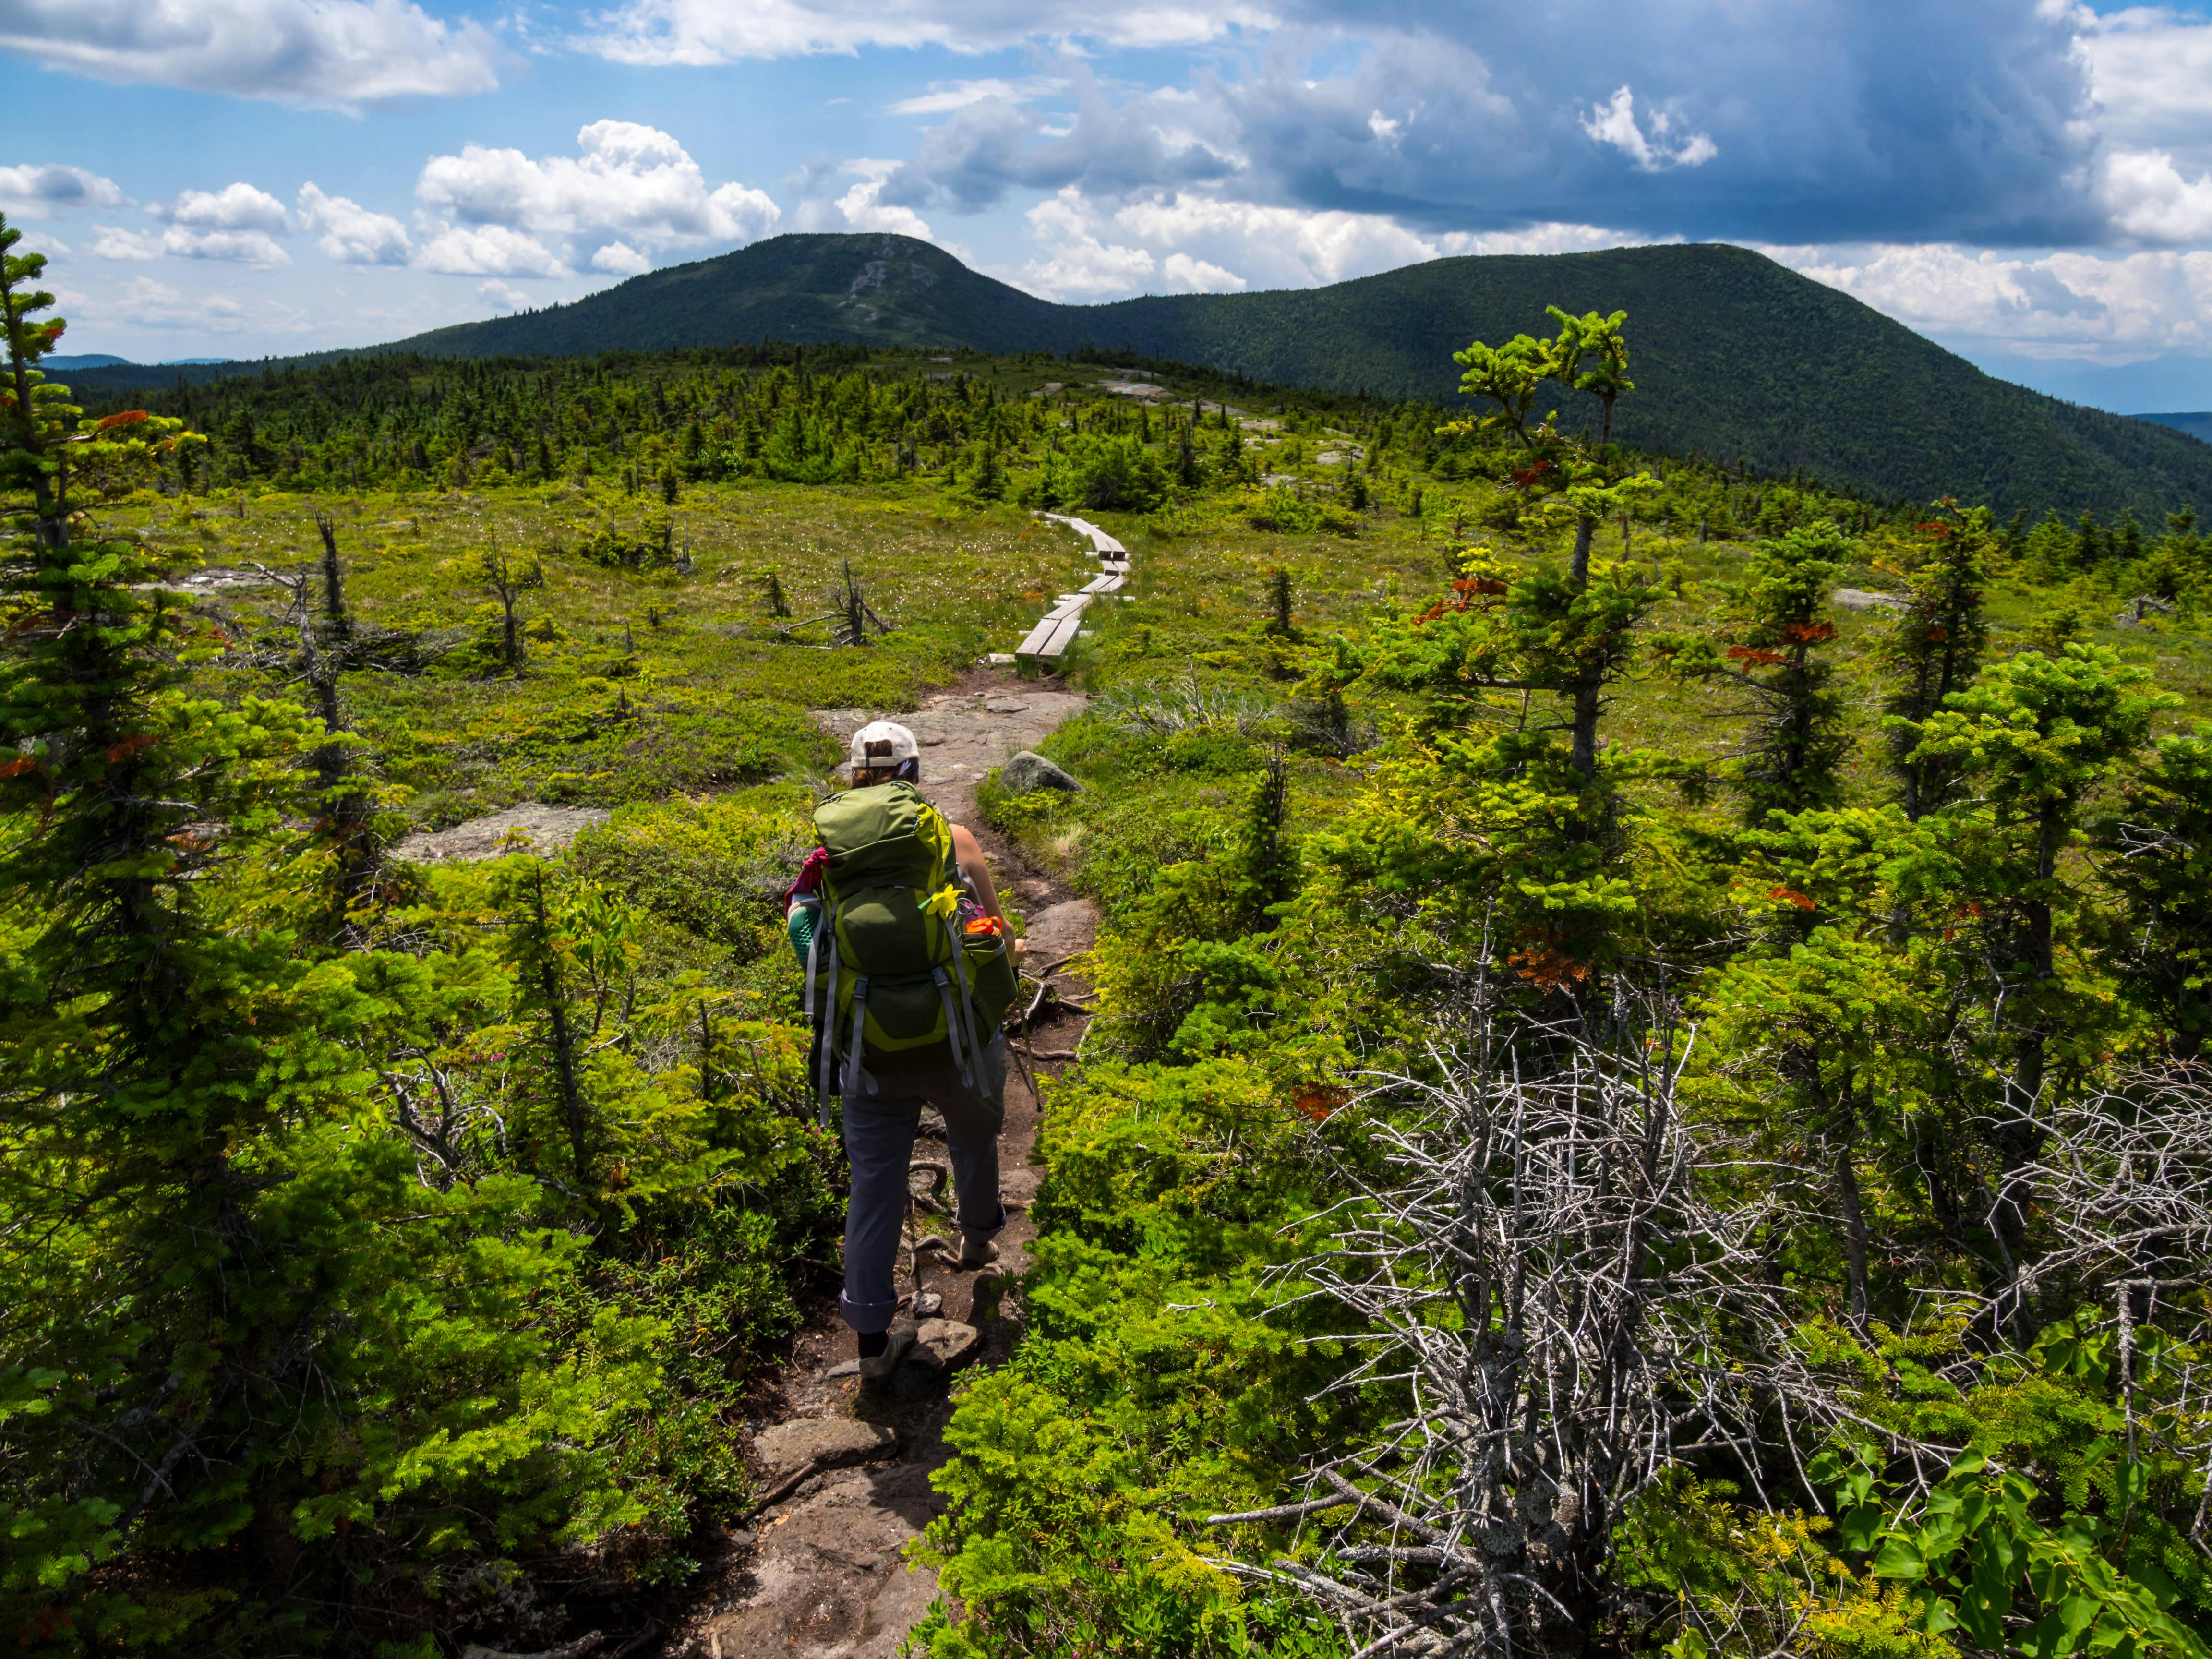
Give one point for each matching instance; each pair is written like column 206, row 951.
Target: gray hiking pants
column 880, row 1131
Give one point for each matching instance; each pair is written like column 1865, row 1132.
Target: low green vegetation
column 1621, row 1083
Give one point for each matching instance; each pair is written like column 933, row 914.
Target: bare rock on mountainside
column 529, row 827
column 1859, row 599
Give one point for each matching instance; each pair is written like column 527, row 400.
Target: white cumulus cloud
column 622, row 259
column 487, row 251
column 1189, row 242
column 334, row 54
column 235, row 207
column 505, row 295
column 860, row 207
column 56, row 189
column 114, row 242
column 238, row 223
column 352, row 235
column 2151, row 201
column 2148, row 67
column 724, row 31
column 1615, row 124
column 499, row 212
column 2067, row 304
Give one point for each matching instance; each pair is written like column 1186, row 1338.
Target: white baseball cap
column 881, row 744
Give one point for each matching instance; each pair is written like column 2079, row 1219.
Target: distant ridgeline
column 2196, row 424
column 1736, row 358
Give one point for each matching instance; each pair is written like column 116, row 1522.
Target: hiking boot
column 977, row 1252
column 877, row 1371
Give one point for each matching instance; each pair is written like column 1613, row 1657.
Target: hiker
column 903, row 1017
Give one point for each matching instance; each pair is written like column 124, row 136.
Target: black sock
column 872, row 1343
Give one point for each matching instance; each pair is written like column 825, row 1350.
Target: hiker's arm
column 977, row 868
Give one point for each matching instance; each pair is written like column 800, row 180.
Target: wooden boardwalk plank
column 1051, row 637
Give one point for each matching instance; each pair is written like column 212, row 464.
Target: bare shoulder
column 964, row 845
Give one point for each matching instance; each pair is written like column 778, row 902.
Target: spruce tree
column 1576, row 632
column 1777, row 622
column 2037, row 737
column 1934, row 648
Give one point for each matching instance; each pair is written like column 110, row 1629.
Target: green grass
column 642, row 685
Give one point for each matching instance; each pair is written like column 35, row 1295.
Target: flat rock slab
column 827, row 1443
column 1062, row 930
column 962, row 737
column 831, row 1580
column 547, row 830
column 1859, row 599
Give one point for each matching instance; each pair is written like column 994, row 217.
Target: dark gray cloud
column 973, row 160
column 1740, row 118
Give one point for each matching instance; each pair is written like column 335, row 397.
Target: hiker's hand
column 1021, row 948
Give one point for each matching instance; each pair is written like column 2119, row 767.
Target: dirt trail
column 820, row 1573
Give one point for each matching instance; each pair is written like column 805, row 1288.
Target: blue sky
column 2030, row 183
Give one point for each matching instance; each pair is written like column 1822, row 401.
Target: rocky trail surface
column 819, row 1571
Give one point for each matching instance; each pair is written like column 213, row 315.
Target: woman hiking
column 870, row 915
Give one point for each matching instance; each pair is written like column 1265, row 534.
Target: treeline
column 844, row 413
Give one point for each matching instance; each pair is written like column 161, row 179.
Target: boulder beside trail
column 1029, row 771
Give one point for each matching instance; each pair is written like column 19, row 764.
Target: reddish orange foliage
column 1463, row 595
column 1809, row 633
column 1794, row 897
column 1546, row 965
column 1321, row 1101
column 1757, row 656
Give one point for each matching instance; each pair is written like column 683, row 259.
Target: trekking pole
column 1029, row 1075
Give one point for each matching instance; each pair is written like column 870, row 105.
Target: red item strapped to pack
column 995, row 925
column 810, row 873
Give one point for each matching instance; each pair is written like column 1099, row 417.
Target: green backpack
column 894, row 983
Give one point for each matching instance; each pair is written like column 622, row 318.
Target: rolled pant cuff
column 866, row 1318
column 991, row 1231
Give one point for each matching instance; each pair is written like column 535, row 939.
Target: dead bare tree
column 1568, row 1283
column 328, row 643
column 506, row 584
column 855, row 615
column 2123, row 1200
